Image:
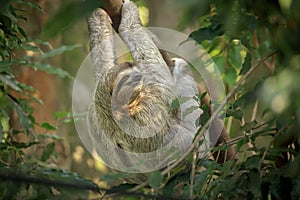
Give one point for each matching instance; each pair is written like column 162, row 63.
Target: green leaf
column 241, row 143
column 248, row 126
column 15, row 132
column 48, row 177
column 118, row 189
column 58, row 115
column 30, row 47
column 47, row 152
column 201, row 180
column 49, row 136
column 57, row 51
column 246, row 43
column 246, row 65
column 255, row 184
column 42, row 42
column 29, row 4
column 23, row 145
column 8, row 80
column 253, row 162
column 267, row 110
column 26, row 87
column 174, row 105
column 22, row 31
column 155, row 179
column 47, row 126
column 113, row 178
column 172, row 186
column 8, row 20
column 207, row 33
column 51, row 70
column 204, row 117
column 234, row 56
column 1, row 130
column 24, row 118
column 4, row 4
column 202, row 95
column 2, row 35
column 237, row 114
column 189, row 110
column 231, row 76
column 220, row 63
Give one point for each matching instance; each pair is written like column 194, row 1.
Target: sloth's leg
column 139, row 42
column 101, row 42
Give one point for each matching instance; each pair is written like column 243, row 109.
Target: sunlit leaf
column 231, row 76
column 58, row 115
column 155, row 179
column 47, row 126
column 49, row 136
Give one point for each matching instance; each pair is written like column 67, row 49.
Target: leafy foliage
column 262, row 117
column 70, row 12
column 23, row 165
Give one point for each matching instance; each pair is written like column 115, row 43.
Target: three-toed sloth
column 130, row 111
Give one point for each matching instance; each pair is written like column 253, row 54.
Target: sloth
column 131, row 108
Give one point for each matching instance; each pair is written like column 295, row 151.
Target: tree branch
column 13, row 175
column 113, row 9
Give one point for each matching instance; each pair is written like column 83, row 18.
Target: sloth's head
column 181, row 68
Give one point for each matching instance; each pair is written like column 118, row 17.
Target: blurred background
column 236, row 34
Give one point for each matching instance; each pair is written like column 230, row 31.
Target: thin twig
column 195, row 153
column 229, row 124
column 261, row 125
column 138, row 187
column 249, row 144
column 268, row 147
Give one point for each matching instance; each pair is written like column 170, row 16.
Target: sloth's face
column 122, row 76
column 125, row 84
